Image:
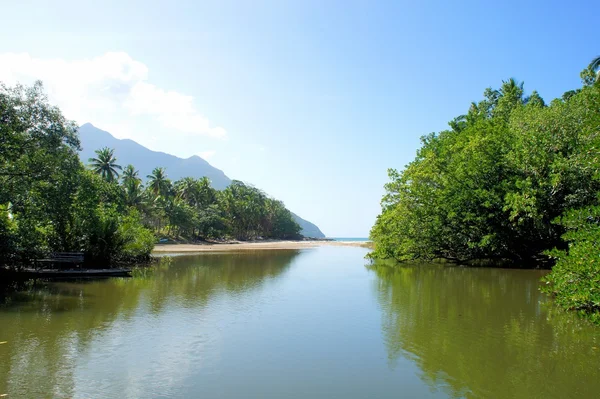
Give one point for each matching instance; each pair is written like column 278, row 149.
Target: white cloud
column 108, row 90
column 207, row 154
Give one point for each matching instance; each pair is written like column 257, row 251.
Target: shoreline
column 253, row 245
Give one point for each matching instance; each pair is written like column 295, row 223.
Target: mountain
column 308, row 229
column 129, row 152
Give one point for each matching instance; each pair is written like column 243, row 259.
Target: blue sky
column 310, row 101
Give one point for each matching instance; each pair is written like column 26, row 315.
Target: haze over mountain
column 129, row 152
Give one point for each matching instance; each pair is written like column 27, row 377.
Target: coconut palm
column 134, row 195
column 133, row 187
column 187, row 189
column 206, row 194
column 158, row 184
column 130, row 175
column 511, row 88
column 105, row 164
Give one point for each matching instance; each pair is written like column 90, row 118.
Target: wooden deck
column 62, row 258
column 76, row 273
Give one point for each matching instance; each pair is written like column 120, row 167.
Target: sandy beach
column 258, row 245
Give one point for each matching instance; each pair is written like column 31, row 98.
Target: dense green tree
column 491, row 186
column 575, row 279
column 50, row 202
column 250, row 214
column 108, row 230
column 279, row 222
column 38, row 170
column 212, row 222
column 513, row 179
column 245, row 206
column 535, row 100
column 182, row 217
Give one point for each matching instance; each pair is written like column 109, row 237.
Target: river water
column 316, row 323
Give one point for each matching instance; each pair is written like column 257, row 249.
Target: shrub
column 139, row 241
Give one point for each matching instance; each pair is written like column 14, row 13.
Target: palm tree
column 105, row 164
column 158, row 183
column 130, row 175
column 133, row 187
column 134, row 195
column 512, row 88
column 206, row 194
column 187, row 190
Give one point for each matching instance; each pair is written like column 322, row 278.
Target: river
column 313, row 323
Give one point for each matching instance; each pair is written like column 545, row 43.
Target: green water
column 315, row 323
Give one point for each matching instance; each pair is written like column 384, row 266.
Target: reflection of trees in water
column 48, row 325
column 483, row 333
column 194, row 280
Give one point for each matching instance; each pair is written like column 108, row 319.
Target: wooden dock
column 62, row 258
column 28, row 273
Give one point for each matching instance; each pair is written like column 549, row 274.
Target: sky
column 310, row 101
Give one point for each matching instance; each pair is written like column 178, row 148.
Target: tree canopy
column 504, row 183
column 51, row 202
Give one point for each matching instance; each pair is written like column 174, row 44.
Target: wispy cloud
column 108, row 89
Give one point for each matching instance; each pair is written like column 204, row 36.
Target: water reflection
column 485, row 333
column 295, row 325
column 49, row 327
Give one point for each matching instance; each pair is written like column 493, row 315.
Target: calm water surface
column 315, row 323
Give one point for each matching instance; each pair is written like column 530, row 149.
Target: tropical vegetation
column 514, row 180
column 50, row 201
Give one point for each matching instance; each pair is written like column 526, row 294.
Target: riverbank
column 252, row 245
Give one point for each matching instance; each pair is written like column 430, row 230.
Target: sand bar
column 257, row 245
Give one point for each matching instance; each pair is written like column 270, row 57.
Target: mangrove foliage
column 514, row 180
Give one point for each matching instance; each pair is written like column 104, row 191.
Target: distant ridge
column 129, row 152
column 308, row 229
